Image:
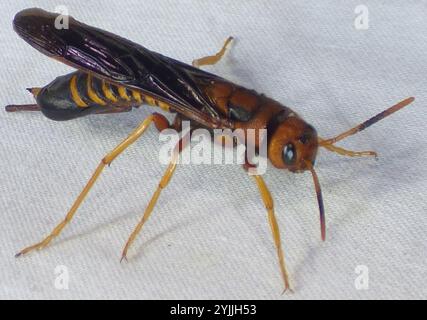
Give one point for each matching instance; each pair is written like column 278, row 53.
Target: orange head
column 292, row 144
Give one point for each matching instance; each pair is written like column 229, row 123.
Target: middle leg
column 170, row 170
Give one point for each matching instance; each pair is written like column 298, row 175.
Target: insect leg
column 170, row 170
column 107, row 160
column 210, row 60
column 348, row 153
column 269, row 205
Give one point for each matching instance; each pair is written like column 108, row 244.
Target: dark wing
column 121, row 61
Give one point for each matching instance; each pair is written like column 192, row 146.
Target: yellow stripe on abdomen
column 92, row 94
column 123, row 93
column 156, row 103
column 75, row 93
column 137, row 96
column 150, row 101
column 164, row 106
column 106, row 89
column 128, row 94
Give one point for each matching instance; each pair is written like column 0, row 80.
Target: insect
column 115, row 75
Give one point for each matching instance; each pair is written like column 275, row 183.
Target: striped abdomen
column 78, row 94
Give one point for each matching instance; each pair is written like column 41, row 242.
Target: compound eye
column 289, row 154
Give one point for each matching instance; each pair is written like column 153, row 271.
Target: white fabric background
column 208, row 236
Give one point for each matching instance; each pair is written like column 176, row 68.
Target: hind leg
column 107, row 160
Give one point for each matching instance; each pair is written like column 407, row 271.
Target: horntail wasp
column 115, row 75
